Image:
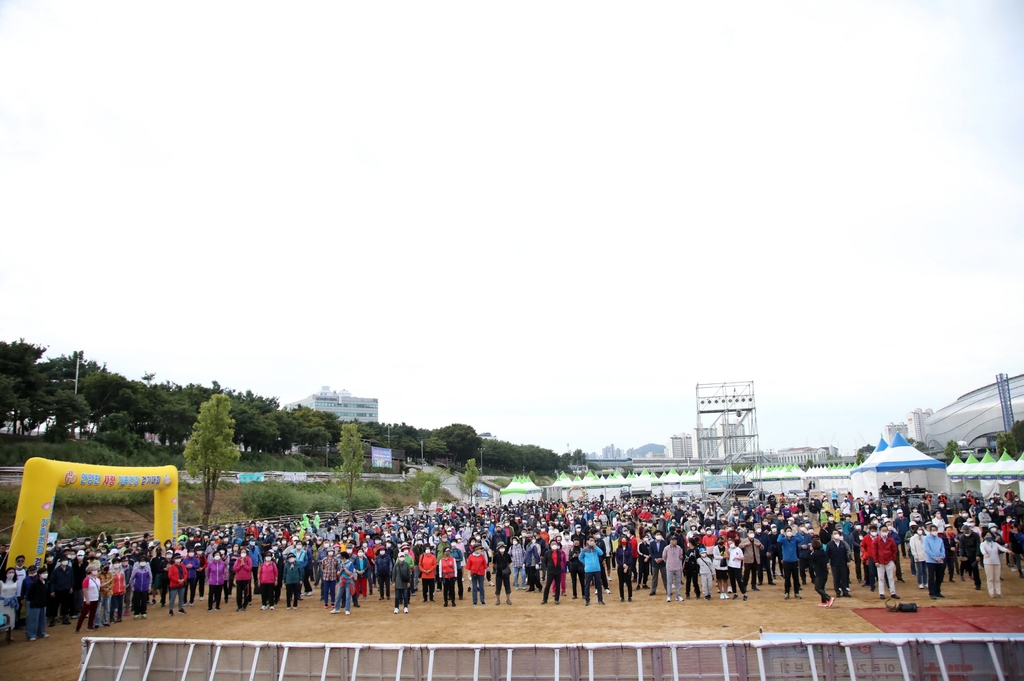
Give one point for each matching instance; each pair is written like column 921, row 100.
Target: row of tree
column 71, row 394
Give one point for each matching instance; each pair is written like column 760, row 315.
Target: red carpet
column 931, row 619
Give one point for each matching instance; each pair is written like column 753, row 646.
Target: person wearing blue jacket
column 789, row 545
column 590, row 556
column 804, row 555
column 935, row 555
column 382, row 567
column 303, row 560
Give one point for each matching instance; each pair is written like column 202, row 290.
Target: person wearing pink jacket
column 243, row 577
column 268, row 583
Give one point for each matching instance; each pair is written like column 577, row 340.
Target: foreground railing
column 892, row 658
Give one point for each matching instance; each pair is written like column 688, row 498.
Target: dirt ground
column 647, row 618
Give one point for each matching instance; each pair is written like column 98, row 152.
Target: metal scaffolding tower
column 726, row 422
column 1003, row 386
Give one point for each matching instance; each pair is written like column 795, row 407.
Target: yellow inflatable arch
column 39, row 485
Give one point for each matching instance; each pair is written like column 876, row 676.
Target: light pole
column 481, row 461
column 78, row 360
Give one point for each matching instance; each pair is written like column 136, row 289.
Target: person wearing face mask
column 918, row 555
column 752, row 549
column 361, row 562
column 643, row 563
column 177, row 580
column 382, row 569
column 191, row 563
column 624, row 562
column 935, row 553
column 158, row 568
column 141, row 580
column 402, row 577
column 266, row 575
column 502, row 575
column 477, row 564
column 991, row 552
column 590, row 557
column 63, row 592
column 885, row 552
column 554, row 557
column 789, row 547
column 657, row 549
column 292, row 582
column 242, row 568
column 969, row 551
column 673, row 555
column 216, row 575
column 90, row 601
column 839, row 561
column 329, row 579
column 36, row 599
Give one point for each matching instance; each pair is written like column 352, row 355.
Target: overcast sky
column 547, row 220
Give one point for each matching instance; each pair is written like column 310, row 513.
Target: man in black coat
column 839, row 561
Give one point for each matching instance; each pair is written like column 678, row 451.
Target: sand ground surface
column 647, row 618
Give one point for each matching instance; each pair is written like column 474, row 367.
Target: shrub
column 9, row 500
column 268, row 499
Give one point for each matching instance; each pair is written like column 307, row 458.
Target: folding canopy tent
column 899, row 462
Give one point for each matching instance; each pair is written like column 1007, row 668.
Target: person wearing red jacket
column 885, row 550
column 867, row 555
column 268, row 583
column 428, row 570
column 477, row 566
column 448, row 571
column 177, row 580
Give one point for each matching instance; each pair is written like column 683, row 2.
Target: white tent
column 999, row 476
column 691, row 482
column 899, row 462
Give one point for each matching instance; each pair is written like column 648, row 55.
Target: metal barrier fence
column 893, row 658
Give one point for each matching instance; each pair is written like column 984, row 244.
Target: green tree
column 69, row 411
column 1006, row 442
column 20, row 362
column 430, row 486
column 212, row 450
column 952, row 449
column 468, row 480
column 866, row 450
column 434, row 447
column 462, row 441
column 919, row 446
column 1018, row 432
column 350, row 448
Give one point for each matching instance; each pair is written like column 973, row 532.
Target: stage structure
column 726, row 422
column 1005, row 403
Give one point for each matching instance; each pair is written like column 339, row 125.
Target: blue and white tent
column 898, row 462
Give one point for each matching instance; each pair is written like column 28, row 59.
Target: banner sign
column 250, row 477
column 293, row 477
column 380, row 457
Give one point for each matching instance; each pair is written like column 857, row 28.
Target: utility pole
column 78, row 360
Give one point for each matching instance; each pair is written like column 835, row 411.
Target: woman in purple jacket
column 141, row 579
column 216, row 575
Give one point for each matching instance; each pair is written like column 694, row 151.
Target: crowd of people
column 466, row 555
